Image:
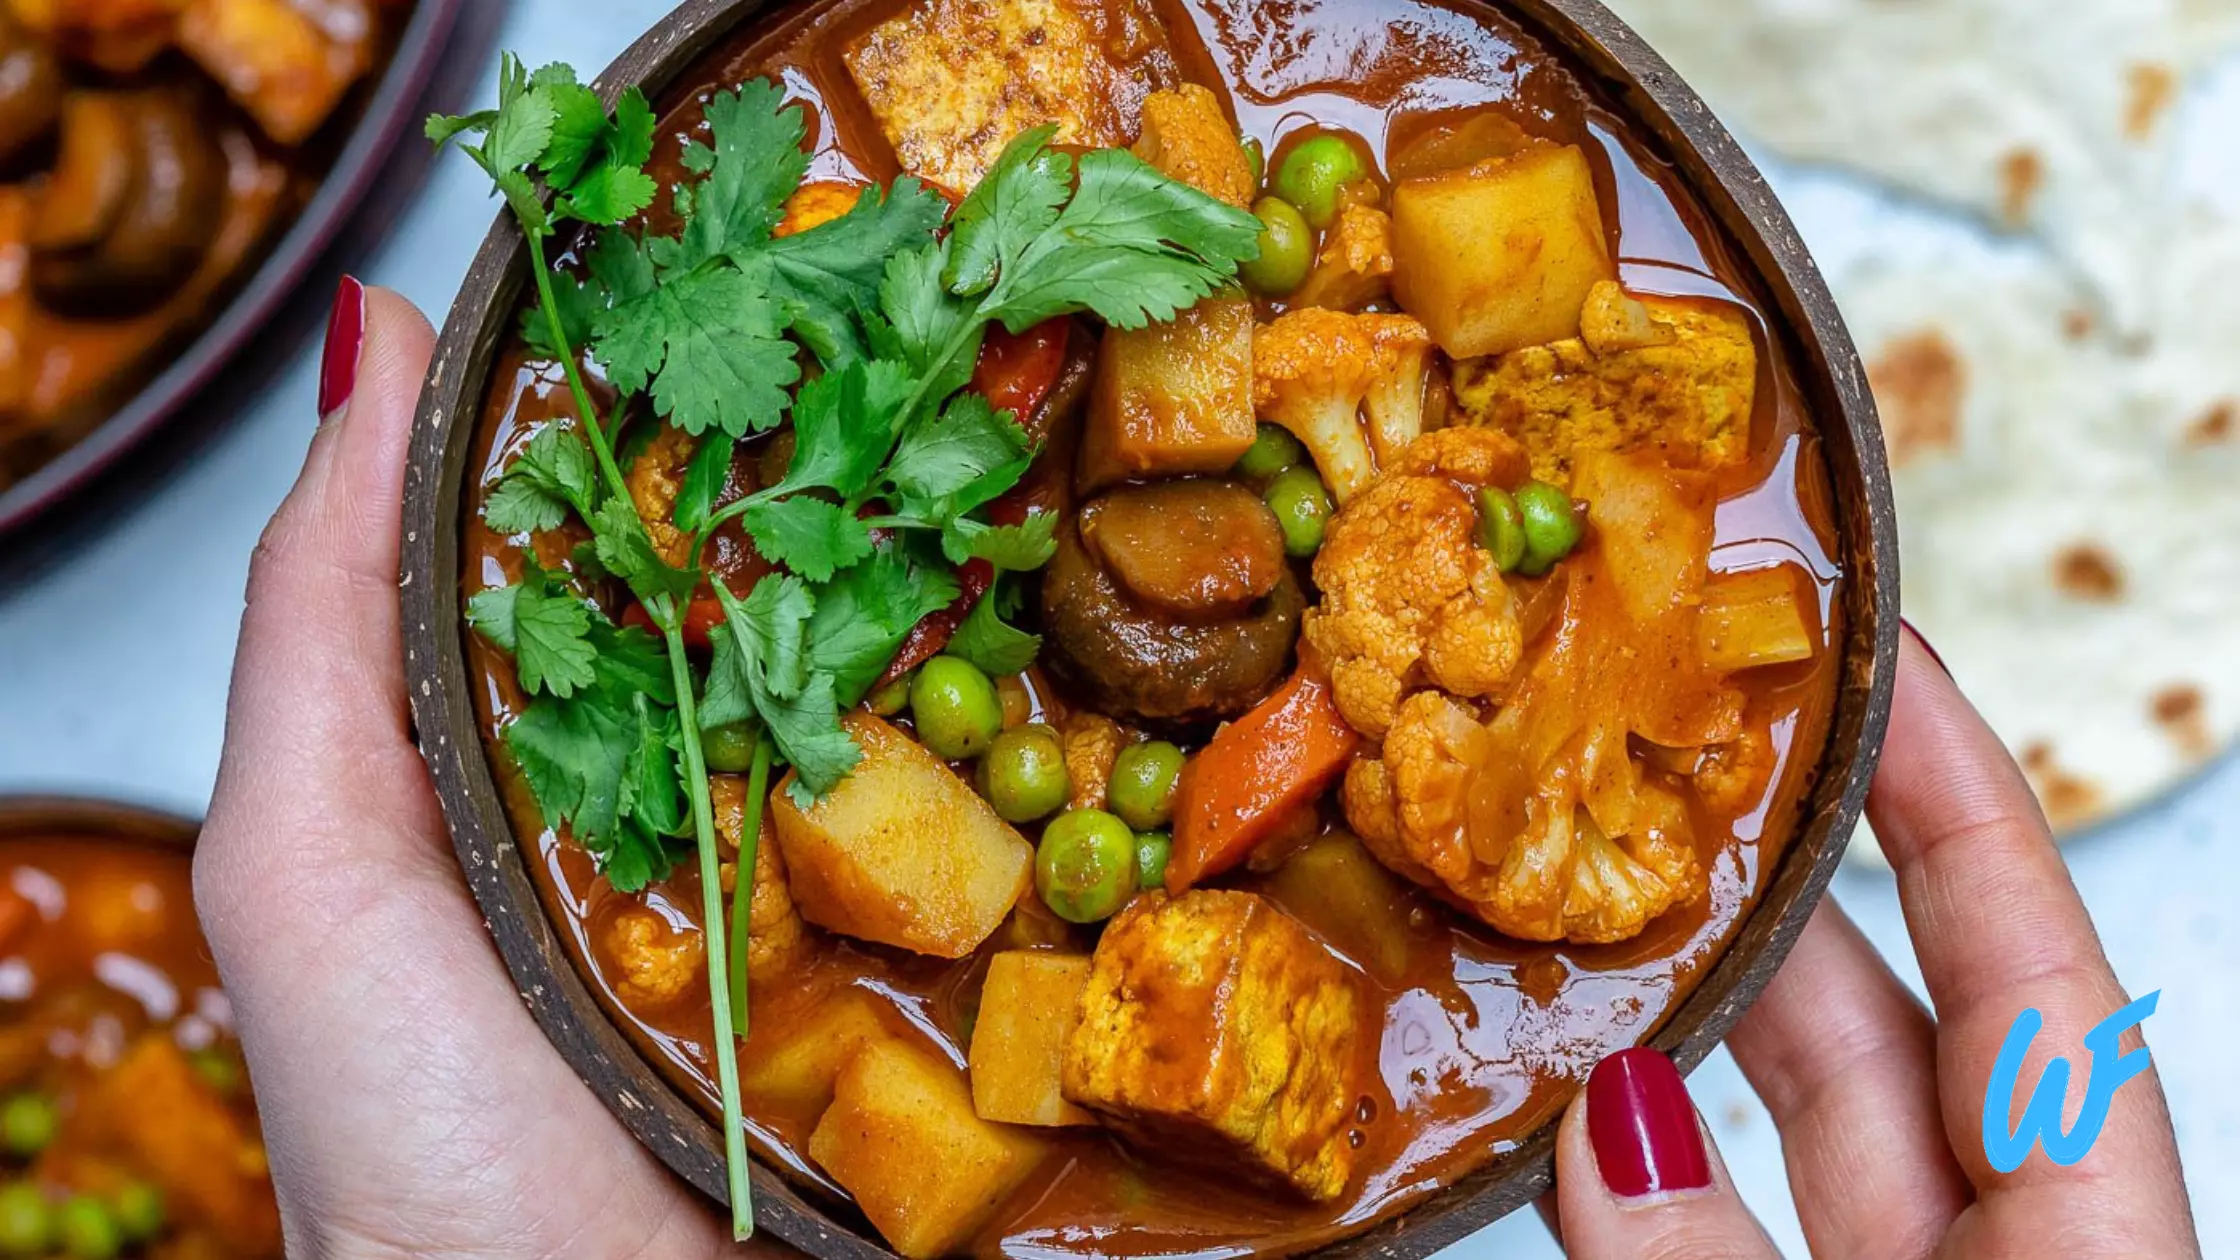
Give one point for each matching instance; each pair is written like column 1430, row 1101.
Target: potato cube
column 1337, row 888
column 283, row 67
column 901, row 1137
column 954, row 81
column 902, row 852
column 1503, row 255
column 796, row 1075
column 1027, row 1006
column 1755, row 618
column 1215, row 1028
column 1172, row 399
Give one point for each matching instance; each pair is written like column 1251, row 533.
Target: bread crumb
column 2215, row 425
column 2182, row 712
column 2021, row 175
column 2069, row 800
column 2153, row 89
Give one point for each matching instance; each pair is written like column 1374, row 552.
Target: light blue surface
column 113, row 675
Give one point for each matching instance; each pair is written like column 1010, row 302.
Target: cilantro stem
column 742, row 893
column 594, row 429
column 725, row 1050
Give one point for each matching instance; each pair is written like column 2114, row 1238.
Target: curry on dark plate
column 126, row 1123
column 149, row 152
column 1136, row 626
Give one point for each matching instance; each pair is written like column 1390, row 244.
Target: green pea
column 26, row 1222
column 27, row 1124
column 1314, row 171
column 1256, row 159
column 1086, row 867
column 139, row 1209
column 219, row 1070
column 956, row 708
column 1552, row 526
column 1501, row 527
column 88, row 1230
column 1273, row 450
column 1302, row 508
column 730, row 749
column 1024, row 774
column 1286, row 249
column 1143, row 783
column 892, row 698
column 1153, row 848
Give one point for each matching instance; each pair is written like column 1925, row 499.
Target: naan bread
column 2053, row 119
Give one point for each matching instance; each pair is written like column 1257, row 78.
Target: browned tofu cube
column 1172, row 399
column 1027, row 1006
column 902, row 852
column 795, row 1075
column 954, row 81
column 901, row 1137
column 1217, row 1028
column 1500, row 256
column 282, row 66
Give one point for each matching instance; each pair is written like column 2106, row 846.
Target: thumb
column 1637, row 1177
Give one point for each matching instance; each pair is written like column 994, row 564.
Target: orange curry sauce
column 1483, row 1038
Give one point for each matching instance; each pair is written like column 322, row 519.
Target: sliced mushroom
column 132, row 206
column 1200, row 549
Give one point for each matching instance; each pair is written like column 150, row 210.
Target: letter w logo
column 2041, row 1120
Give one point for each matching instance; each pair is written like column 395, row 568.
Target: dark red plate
column 439, row 58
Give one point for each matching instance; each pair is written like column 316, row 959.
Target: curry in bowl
column 149, row 152
column 1136, row 627
column 126, row 1123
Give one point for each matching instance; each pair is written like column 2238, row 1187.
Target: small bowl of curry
column 1137, row 627
column 127, row 1128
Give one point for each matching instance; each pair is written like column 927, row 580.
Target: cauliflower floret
column 1314, row 370
column 1678, row 377
column 658, row 963
column 1410, row 600
column 775, row 932
column 654, row 479
column 1187, row 137
column 1559, row 877
column 1355, row 265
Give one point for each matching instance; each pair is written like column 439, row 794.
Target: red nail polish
column 346, row 333
column 1921, row 639
column 1643, row 1128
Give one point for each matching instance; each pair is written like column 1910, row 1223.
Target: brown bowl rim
column 363, row 159
column 1601, row 49
column 97, row 820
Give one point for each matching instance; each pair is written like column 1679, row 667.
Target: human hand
column 1880, row 1105
column 410, row 1104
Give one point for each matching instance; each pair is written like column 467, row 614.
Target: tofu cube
column 1172, row 399
column 1218, row 1029
column 954, row 81
column 1027, row 1006
column 1500, row 256
column 901, row 1137
column 796, row 1075
column 902, row 852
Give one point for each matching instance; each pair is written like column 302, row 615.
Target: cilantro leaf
column 761, row 670
column 1123, row 202
column 1011, row 207
column 579, row 121
column 522, row 128
column 807, row 730
column 652, row 789
column 813, row 537
column 864, row 614
column 842, row 427
column 573, row 756
column 704, row 480
column 920, row 320
column 754, row 164
column 994, row 648
column 553, row 475
column 829, row 275
column 944, row 457
column 708, row 344
column 1020, row 548
column 545, row 629
column 626, row 551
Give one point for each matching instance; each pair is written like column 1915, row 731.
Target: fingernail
column 1643, row 1128
column 1923, row 640
column 346, row 334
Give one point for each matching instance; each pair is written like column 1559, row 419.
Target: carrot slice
column 1256, row 772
